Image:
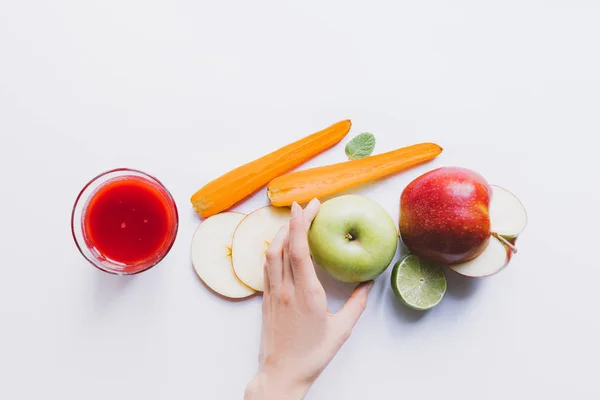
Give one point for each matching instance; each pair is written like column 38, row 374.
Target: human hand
column 299, row 334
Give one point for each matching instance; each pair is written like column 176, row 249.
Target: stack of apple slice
column 251, row 241
column 211, row 255
column 228, row 249
column 508, row 219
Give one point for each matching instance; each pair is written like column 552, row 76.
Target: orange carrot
column 303, row 186
column 225, row 191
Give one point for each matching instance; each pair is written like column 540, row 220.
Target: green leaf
column 360, row 146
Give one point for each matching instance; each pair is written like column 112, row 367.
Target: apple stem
column 505, row 242
column 348, row 236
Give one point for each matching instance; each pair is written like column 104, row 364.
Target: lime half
column 419, row 284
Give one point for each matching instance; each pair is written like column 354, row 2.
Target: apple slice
column 211, row 255
column 493, row 259
column 508, row 217
column 251, row 240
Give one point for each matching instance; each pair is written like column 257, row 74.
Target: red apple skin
column 444, row 215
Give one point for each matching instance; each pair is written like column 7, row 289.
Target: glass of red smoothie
column 124, row 221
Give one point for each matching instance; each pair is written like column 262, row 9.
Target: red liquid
column 128, row 220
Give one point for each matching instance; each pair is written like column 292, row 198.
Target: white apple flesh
column 211, row 255
column 251, row 241
column 508, row 219
column 494, row 258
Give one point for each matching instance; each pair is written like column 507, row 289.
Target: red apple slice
column 211, row 255
column 251, row 240
column 493, row 259
column 508, row 217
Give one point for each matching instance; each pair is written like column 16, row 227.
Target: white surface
column 188, row 89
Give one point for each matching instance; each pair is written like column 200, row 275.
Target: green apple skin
column 353, row 238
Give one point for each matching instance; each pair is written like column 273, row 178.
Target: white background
column 189, row 89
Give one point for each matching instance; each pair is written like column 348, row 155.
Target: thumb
column 348, row 316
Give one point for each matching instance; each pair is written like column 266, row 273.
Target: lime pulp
column 418, row 283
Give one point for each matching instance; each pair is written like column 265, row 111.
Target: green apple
column 353, row 238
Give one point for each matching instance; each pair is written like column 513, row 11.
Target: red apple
column 444, row 215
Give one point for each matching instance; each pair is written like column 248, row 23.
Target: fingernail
column 295, row 209
column 313, row 203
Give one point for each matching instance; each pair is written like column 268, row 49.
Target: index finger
column 302, row 266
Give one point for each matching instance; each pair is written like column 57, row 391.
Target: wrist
column 268, row 386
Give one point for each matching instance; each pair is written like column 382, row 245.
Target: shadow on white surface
column 219, row 295
column 194, row 215
column 379, row 291
column 459, row 286
column 109, row 288
column 337, row 292
column 403, row 312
